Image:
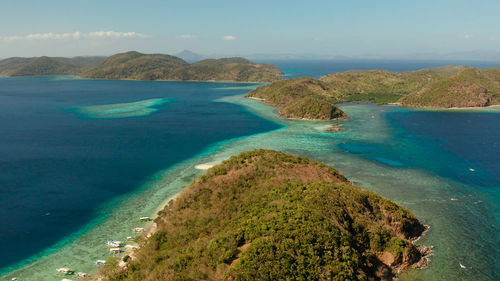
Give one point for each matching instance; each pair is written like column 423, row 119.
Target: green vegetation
column 135, row 65
column 266, row 215
column 442, row 87
column 468, row 88
column 47, row 65
column 138, row 66
column 303, row 98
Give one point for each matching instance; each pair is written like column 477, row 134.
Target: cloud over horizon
column 76, row 36
column 228, row 38
column 186, row 36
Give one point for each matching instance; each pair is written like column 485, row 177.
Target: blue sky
column 351, row 28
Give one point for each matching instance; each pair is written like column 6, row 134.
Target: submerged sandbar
column 120, row 110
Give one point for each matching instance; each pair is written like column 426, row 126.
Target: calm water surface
column 58, row 166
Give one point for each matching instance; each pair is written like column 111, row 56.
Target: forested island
column 138, row 66
column 442, row 87
column 17, row 66
column 267, row 215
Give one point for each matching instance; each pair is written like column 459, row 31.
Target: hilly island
column 442, row 87
column 267, row 215
column 138, row 66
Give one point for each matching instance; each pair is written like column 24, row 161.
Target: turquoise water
column 120, row 110
column 75, row 150
column 420, row 159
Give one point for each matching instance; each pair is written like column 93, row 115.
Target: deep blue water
column 462, row 146
column 56, row 167
column 469, row 140
column 318, row 68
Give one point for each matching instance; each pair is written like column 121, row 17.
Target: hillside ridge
column 441, row 87
column 267, row 215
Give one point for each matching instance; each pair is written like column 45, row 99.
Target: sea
column 82, row 160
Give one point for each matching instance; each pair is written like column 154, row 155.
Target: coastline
column 166, row 80
column 157, row 80
column 420, row 186
column 426, row 252
column 470, row 108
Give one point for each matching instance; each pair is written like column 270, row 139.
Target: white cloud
column 76, row 36
column 228, row 38
column 186, row 36
column 114, row 34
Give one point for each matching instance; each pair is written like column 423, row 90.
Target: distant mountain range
column 137, row 66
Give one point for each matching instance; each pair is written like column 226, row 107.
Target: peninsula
column 137, row 66
column 442, row 87
column 267, row 215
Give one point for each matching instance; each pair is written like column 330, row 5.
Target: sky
column 326, row 27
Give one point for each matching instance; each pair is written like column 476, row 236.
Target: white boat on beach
column 115, row 250
column 65, row 270
column 139, row 229
column 112, row 243
column 130, row 237
column 98, row 262
column 144, row 219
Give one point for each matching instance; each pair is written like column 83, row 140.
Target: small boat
column 82, row 274
column 14, row 279
column 115, row 250
column 66, row 279
column 143, row 219
column 103, row 262
column 131, row 247
column 66, row 270
column 472, row 170
column 454, row 199
column 130, row 237
column 138, row 229
column 462, row 266
column 112, row 243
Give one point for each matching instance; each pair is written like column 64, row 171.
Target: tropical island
column 267, row 215
column 442, row 87
column 38, row 66
column 138, row 66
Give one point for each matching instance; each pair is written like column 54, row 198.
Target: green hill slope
column 266, row 215
column 47, row 65
column 442, row 87
column 138, row 66
column 301, row 98
column 135, row 65
column 468, row 88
